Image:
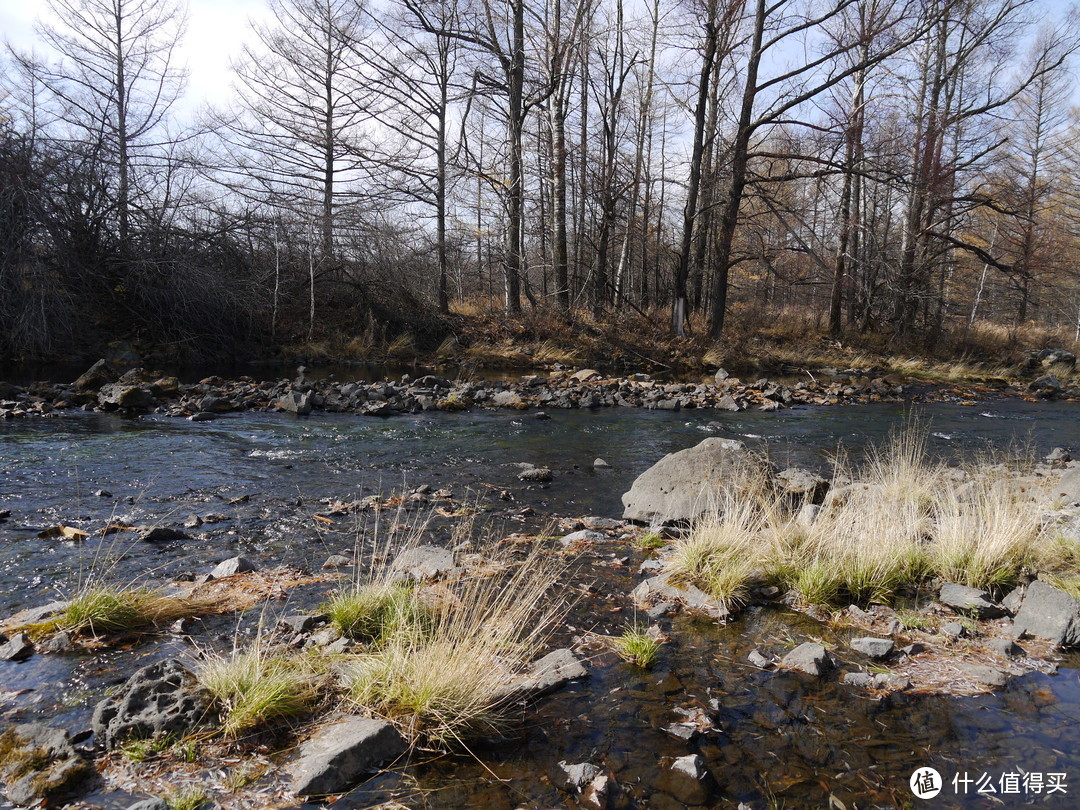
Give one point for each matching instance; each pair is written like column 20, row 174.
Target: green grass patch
column 637, row 647
column 377, row 611
column 192, row 798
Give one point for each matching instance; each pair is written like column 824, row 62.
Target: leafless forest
column 901, row 168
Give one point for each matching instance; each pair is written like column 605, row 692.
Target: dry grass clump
column 257, row 685
column 904, row 522
column 723, row 553
column 450, row 680
column 984, row 535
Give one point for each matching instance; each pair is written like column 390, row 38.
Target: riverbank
column 108, row 387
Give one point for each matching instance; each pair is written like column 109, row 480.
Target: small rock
column 232, row 566
column 337, row 561
column 150, row 804
column 160, row 534
column 192, row 522
column 985, row 675
column 302, row 622
column 970, row 600
column 600, row 464
column 537, row 475
column 876, row 648
column 18, row 648
column 1058, row 458
column 1004, row 646
column 1014, row 600
column 863, row 680
column 575, row 777
column 808, row 657
column 954, row 630
column 338, row 756
column 102, row 493
column 297, row 402
column 759, row 660
column 583, row 536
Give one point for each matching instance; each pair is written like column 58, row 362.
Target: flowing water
column 785, row 741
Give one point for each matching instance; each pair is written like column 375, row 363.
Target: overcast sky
column 214, row 33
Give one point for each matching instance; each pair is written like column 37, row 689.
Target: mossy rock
column 39, row 764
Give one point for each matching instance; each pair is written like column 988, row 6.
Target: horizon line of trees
column 903, row 167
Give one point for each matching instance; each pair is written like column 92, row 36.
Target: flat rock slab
column 985, row 675
column 56, row 768
column 808, row 657
column 682, row 486
column 970, row 600
column 339, row 756
column 876, row 648
column 1049, row 613
column 659, row 588
column 553, row 671
column 424, row 562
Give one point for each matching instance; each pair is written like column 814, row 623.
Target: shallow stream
column 787, row 741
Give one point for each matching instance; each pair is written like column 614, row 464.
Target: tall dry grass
column 447, row 679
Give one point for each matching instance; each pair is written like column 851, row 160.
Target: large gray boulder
column 682, row 486
column 39, row 765
column 425, row 562
column 1049, row 613
column 339, row 756
column 99, row 374
column 162, row 698
column 1067, row 490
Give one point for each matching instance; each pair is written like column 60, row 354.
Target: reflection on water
column 785, row 739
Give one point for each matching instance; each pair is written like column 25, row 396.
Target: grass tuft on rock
column 374, row 612
column 192, row 798
column 103, row 608
column 257, row 686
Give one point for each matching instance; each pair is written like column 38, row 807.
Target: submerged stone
column 808, row 657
